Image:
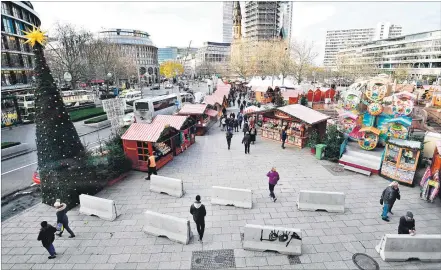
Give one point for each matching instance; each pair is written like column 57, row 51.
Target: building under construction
column 262, row 20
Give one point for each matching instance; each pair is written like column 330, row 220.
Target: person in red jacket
column 273, row 178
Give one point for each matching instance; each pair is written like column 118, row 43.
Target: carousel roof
column 176, row 121
column 193, row 109
column 401, row 120
column 144, row 132
column 405, row 143
column 304, row 113
column 371, row 129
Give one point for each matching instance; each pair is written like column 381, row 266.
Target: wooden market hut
column 300, row 120
column 186, row 126
column 202, row 114
column 140, row 140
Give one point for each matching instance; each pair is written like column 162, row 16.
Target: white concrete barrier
column 102, row 208
column 321, row 200
column 171, row 186
column 283, row 240
column 174, row 228
column 402, row 247
column 232, row 196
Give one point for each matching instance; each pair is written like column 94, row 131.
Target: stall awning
column 304, row 113
column 211, row 112
column 405, row 143
column 251, row 109
column 176, row 121
column 143, row 132
column 189, row 109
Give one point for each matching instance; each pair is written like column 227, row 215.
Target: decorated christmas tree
column 61, row 156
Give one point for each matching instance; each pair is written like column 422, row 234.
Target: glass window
column 16, row 12
column 15, row 59
column 142, row 106
column 7, row 23
column 12, row 44
column 163, row 104
column 19, row 27
column 5, row 8
column 5, row 62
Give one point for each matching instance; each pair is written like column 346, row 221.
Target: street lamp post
column 109, row 76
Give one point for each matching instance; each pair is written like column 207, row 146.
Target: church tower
column 237, row 21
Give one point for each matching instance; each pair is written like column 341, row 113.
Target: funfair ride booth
column 430, row 183
column 299, row 119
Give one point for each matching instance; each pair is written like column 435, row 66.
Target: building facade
column 286, row 10
column 337, row 40
column 237, row 21
column 227, row 21
column 138, row 46
column 262, row 20
column 419, row 54
column 167, row 54
column 211, row 57
column 17, row 57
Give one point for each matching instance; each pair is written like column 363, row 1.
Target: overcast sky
column 176, row 23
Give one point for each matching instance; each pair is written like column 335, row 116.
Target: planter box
column 15, row 150
column 99, row 124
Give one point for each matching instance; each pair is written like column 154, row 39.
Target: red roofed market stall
column 186, row 126
column 140, row 140
column 203, row 116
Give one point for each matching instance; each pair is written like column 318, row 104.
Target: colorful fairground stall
column 140, row 140
column 430, row 183
column 299, row 119
column 186, row 127
column 203, row 116
column 400, row 160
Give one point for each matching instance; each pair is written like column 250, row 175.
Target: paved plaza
column 329, row 239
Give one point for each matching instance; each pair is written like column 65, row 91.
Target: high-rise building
column 17, row 57
column 227, row 21
column 167, row 54
column 210, row 55
column 337, row 40
column 262, row 20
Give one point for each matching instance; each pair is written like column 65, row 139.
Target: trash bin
column 320, row 151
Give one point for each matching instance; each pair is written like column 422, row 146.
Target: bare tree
column 303, row 54
column 68, row 49
column 239, row 59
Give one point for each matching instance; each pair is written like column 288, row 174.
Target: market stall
column 204, row 116
column 299, row 119
column 186, row 127
column 400, row 160
column 140, row 140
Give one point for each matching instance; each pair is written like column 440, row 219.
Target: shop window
column 392, row 154
column 8, row 26
column 143, row 151
column 408, row 158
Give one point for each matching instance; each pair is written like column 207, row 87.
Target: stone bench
column 102, row 208
column 174, row 228
column 402, row 247
column 321, row 200
column 232, row 196
column 171, row 186
column 283, row 240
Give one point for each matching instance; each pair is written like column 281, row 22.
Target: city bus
column 74, row 98
column 26, row 107
column 131, row 96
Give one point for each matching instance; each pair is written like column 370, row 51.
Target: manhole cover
column 365, row 262
column 213, row 259
column 338, row 169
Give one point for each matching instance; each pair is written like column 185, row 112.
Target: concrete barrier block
column 402, row 247
column 174, row 228
column 283, row 240
column 102, row 208
column 171, row 186
column 232, row 196
column 321, row 200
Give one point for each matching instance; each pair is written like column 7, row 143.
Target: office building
column 261, row 20
column 167, row 54
column 17, row 57
column 419, row 54
column 138, row 46
column 211, row 55
column 337, row 40
column 227, row 21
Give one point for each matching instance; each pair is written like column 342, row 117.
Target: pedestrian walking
column 395, row 195
column 284, row 136
column 62, row 218
column 229, row 135
column 198, row 211
column 238, row 102
column 273, row 178
column 47, row 238
column 224, row 112
column 386, row 199
column 224, row 123
column 253, row 132
column 241, row 108
column 236, row 125
column 220, row 121
column 240, row 119
column 151, row 164
column 407, row 224
column 247, row 141
column 245, row 128
column 244, row 103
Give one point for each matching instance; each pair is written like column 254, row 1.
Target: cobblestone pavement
column 329, row 239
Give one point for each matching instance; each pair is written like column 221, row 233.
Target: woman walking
column 273, row 178
column 62, row 218
column 253, row 132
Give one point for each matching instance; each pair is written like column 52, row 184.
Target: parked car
column 129, row 119
column 169, row 86
column 155, row 86
column 36, row 177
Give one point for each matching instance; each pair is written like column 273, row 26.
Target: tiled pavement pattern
column 329, row 239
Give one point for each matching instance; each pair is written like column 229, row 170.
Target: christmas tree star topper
column 36, row 35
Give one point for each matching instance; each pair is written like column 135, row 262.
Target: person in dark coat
column 229, row 135
column 284, row 136
column 407, row 224
column 198, row 211
column 247, row 141
column 240, row 119
column 224, row 112
column 62, row 218
column 395, row 195
column 241, row 108
column 386, row 199
column 236, row 125
column 47, row 238
column 246, row 128
column 244, row 102
column 238, row 102
column 253, row 132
